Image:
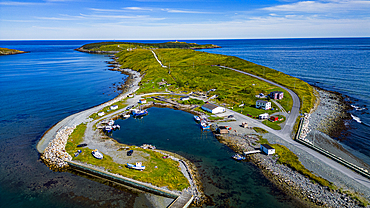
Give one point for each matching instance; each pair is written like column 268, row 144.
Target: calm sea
column 336, row 64
column 53, row 81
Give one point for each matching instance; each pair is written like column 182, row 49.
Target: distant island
column 115, row 47
column 7, row 51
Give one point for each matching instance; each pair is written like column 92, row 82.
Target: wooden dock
column 252, row 152
column 183, row 201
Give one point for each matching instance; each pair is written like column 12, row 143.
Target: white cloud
column 138, row 8
column 332, row 6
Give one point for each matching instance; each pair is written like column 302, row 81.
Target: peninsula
column 162, row 74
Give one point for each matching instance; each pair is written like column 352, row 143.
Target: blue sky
column 182, row 19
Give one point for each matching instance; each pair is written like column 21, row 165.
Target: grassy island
column 7, row 51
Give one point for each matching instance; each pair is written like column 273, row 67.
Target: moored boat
column 204, row 125
column 137, row 113
column 108, row 129
column 138, row 166
column 197, row 118
column 238, row 157
column 97, row 154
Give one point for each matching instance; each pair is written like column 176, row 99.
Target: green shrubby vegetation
column 167, row 172
column 7, row 51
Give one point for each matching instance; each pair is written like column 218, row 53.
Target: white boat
column 108, row 129
column 111, row 122
column 197, row 118
column 204, row 125
column 116, row 126
column 238, row 157
column 136, row 112
column 138, row 166
column 126, row 116
column 97, row 154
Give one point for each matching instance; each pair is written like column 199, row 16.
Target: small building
column 142, row 101
column 114, row 107
column 101, row 114
column 263, row 104
column 222, row 130
column 267, row 149
column 130, row 95
column 263, row 116
column 184, row 98
column 276, row 95
column 274, row 118
column 213, row 108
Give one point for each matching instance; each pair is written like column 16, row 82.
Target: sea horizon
column 61, row 74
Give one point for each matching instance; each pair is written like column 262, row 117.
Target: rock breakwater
column 55, row 155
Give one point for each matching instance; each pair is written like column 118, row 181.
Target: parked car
column 129, row 153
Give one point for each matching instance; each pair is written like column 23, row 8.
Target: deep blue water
column 336, row 64
column 40, row 88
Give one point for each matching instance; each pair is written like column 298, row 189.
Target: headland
column 7, row 51
column 297, row 177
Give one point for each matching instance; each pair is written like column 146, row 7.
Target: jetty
column 182, row 200
column 252, row 152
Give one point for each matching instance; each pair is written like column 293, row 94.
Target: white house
column 114, row 107
column 101, row 114
column 263, row 104
column 264, row 116
column 184, row 98
column 142, row 101
column 213, row 108
column 267, row 149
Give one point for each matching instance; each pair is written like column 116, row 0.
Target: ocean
column 40, row 88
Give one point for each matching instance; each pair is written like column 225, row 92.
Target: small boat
column 97, row 154
column 108, row 129
column 126, row 116
column 138, row 166
column 204, row 125
column 197, row 118
column 116, row 127
column 77, row 153
column 82, row 145
column 137, row 113
column 111, row 122
column 238, row 157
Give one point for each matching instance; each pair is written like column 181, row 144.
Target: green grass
column 167, row 174
column 288, row 158
column 260, row 130
column 232, row 87
column 121, row 104
column 192, row 101
column 274, row 125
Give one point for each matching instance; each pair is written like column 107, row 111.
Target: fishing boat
column 111, row 122
column 108, row 129
column 116, row 127
column 238, row 157
column 97, row 154
column 197, row 118
column 138, row 166
column 204, row 125
column 77, row 153
column 137, row 113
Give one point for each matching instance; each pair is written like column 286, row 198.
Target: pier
column 252, row 152
column 183, row 201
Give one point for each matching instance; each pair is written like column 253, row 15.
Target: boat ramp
column 252, row 152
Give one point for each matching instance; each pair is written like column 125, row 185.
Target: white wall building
column 213, row 108
column 267, row 149
column 263, row 104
